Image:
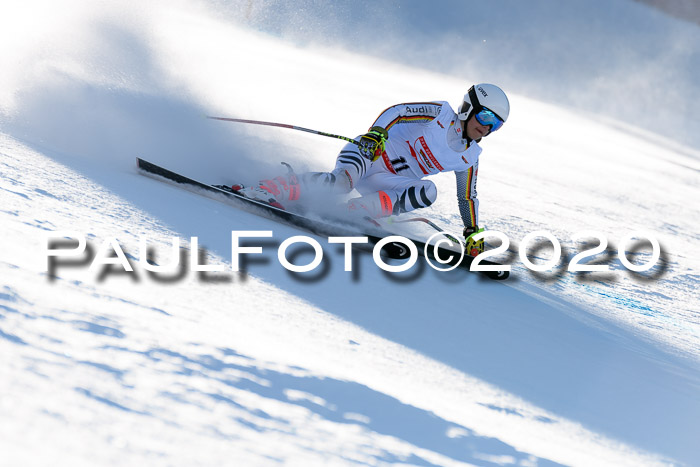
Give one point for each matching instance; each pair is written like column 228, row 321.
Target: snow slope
column 329, row 367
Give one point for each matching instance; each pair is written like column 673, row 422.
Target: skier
column 406, row 143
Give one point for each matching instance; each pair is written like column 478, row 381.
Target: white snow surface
column 330, row 367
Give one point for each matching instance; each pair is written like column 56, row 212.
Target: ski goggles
column 487, row 118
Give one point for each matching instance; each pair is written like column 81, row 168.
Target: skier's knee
column 336, row 182
column 415, row 197
column 344, row 182
column 351, row 164
column 428, row 193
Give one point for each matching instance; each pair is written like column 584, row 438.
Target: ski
column 374, row 234
column 264, row 209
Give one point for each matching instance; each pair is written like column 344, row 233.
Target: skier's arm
column 466, row 196
column 469, row 208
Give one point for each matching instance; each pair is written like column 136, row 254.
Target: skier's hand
column 474, row 248
column 373, row 143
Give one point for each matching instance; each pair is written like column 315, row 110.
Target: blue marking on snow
column 631, row 303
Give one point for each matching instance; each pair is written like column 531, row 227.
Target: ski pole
column 284, row 125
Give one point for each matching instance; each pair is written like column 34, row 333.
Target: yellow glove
column 372, row 144
column 474, row 248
